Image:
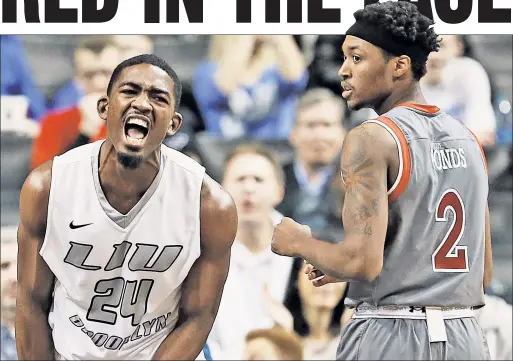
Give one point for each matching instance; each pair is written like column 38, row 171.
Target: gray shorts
column 408, row 339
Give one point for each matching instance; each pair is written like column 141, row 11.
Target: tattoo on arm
column 362, row 179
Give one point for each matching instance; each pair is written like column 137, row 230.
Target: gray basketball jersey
column 435, row 242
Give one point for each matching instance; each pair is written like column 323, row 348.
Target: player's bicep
column 35, row 279
column 364, row 175
column 205, row 283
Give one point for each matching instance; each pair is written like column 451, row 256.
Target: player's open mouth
column 136, row 129
column 346, row 90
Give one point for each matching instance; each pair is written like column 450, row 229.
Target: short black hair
column 152, row 60
column 403, row 21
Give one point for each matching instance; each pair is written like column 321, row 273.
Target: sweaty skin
column 202, row 288
column 144, row 91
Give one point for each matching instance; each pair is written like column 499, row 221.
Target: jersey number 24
column 449, row 256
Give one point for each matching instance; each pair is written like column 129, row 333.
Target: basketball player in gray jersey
column 417, row 250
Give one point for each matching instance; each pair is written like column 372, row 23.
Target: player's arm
column 488, row 270
column 35, row 279
column 366, row 153
column 203, row 287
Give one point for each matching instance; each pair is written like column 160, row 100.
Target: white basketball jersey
column 119, row 277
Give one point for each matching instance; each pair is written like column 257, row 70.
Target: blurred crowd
column 264, row 115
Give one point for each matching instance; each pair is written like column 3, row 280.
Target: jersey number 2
column 448, row 256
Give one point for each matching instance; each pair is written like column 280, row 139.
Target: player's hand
column 287, row 237
column 317, row 277
column 90, row 122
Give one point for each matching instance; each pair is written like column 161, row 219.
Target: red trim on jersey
column 431, row 109
column 404, row 177
column 482, row 151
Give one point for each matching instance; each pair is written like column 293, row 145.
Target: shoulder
column 183, row 161
column 39, row 179
column 80, row 154
column 370, row 137
column 218, row 215
column 367, row 148
column 34, row 196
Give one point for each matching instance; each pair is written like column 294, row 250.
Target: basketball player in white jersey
column 417, row 250
column 124, row 244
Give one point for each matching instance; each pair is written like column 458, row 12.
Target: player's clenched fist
column 287, row 237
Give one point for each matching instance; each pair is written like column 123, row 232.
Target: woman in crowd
column 249, row 85
column 460, row 86
column 318, row 312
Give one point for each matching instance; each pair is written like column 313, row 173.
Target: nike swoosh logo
column 73, row 226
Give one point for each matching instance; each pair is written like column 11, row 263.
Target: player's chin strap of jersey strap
column 434, row 316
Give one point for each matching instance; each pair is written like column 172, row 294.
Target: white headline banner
column 220, row 16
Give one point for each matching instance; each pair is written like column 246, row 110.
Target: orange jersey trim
column 404, row 176
column 431, row 109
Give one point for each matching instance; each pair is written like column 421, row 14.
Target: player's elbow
column 369, row 268
column 204, row 315
column 372, row 271
column 365, row 265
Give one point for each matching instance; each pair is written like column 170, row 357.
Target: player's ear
column 174, row 124
column 402, row 65
column 103, row 107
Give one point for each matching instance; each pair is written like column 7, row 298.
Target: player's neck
column 126, row 181
column 412, row 94
column 318, row 320
column 256, row 236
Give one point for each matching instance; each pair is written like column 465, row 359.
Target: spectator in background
column 326, row 62
column 495, row 318
column 249, row 85
column 63, row 130
column 8, row 293
column 312, row 180
column 460, row 86
column 257, row 277
column 273, row 344
column 319, row 313
column 93, row 59
column 133, row 45
column 16, row 76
